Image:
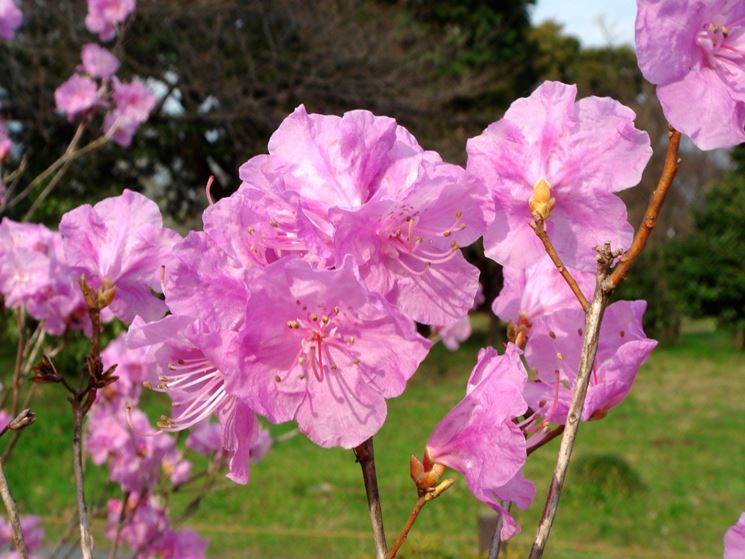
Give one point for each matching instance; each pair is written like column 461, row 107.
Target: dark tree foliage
column 706, row 267
column 229, row 71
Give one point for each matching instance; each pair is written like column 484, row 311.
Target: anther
column 293, row 324
column 325, row 319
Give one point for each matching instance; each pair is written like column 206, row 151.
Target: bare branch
column 366, row 457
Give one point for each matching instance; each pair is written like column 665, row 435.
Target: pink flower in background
column 146, row 521
column 318, row 348
column 180, row 544
column 104, row 15
column 454, row 334
column 529, row 293
column 694, row 51
column 479, row 438
column 133, row 103
column 32, row 532
column 10, row 19
column 98, row 62
column 567, row 160
column 554, row 348
column 734, row 540
column 5, row 143
column 134, row 366
column 77, row 95
column 120, row 242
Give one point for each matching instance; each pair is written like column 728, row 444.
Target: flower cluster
column 94, row 85
column 32, row 536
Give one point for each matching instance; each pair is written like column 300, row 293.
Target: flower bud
column 541, row 203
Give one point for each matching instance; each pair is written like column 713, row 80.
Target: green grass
column 661, row 476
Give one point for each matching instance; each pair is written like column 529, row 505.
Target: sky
column 593, row 22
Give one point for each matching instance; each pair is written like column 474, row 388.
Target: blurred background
column 660, row 477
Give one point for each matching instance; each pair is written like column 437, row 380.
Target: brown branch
column 119, row 526
column 650, row 216
column 540, row 230
column 21, row 324
column 550, row 436
column 593, row 319
column 86, row 540
column 365, row 455
column 15, row 520
column 418, row 506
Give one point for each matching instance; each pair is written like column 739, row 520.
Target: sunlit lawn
column 662, row 476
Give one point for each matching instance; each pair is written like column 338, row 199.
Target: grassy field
column 661, row 477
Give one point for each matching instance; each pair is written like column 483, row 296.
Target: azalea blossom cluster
column 94, row 85
column 32, row 531
column 300, row 297
column 139, row 461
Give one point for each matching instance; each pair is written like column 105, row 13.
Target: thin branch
column 15, row 520
column 69, row 150
column 650, row 216
column 540, row 230
column 593, row 319
column 496, row 540
column 47, row 190
column 86, row 539
column 119, row 526
column 550, row 436
column 21, row 324
column 366, row 457
column 418, row 506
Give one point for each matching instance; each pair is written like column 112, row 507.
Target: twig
column 650, row 216
column 540, row 230
column 15, row 521
column 589, row 349
column 418, row 506
column 69, row 150
column 119, row 526
column 548, row 437
column 21, row 324
column 47, row 190
column 86, row 540
column 366, row 457
column 496, row 540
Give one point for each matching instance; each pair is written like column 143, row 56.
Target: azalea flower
column 479, row 438
column 554, row 348
column 734, row 540
column 104, row 15
column 76, row 96
column 120, row 242
column 694, row 51
column 10, row 19
column 98, row 62
column 561, row 161
column 133, row 104
column 319, row 348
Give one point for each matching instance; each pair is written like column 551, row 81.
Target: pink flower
column 32, row 532
column 205, row 438
column 77, row 95
column 368, row 189
column 133, row 368
column 98, row 62
column 5, row 143
column 10, row 19
column 318, row 348
column 554, row 348
column 408, row 247
column 479, row 438
column 146, row 521
column 734, row 540
column 120, row 242
column 194, row 363
column 565, row 159
column 181, row 544
column 694, row 51
column 134, row 101
column 104, row 15
column 33, row 273
column 529, row 293
column 454, row 334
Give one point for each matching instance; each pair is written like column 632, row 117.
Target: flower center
column 541, row 203
column 324, row 332
column 722, row 41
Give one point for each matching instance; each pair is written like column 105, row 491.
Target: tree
column 708, row 274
